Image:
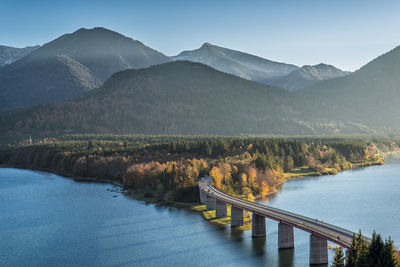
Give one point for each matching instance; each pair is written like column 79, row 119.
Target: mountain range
column 241, row 64
column 259, row 69
column 78, row 62
column 71, row 65
column 150, row 93
column 179, row 97
column 9, row 54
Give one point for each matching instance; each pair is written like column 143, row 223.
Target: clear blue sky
column 346, row 34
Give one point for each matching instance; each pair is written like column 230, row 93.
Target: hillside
column 241, row 64
column 369, row 96
column 172, row 98
column 183, row 97
column 308, row 75
column 9, row 54
column 70, row 65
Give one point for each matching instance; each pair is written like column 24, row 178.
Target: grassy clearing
column 366, row 163
column 299, row 172
column 209, row 215
column 305, row 171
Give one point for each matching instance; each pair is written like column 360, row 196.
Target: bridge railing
column 206, row 184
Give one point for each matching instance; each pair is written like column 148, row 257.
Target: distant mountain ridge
column 369, row 96
column 179, row 97
column 308, row 75
column 70, row 65
column 9, row 54
column 241, row 64
column 184, row 97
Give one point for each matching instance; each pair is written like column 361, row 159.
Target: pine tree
column 338, row 261
column 376, row 253
column 390, row 258
column 289, row 164
column 358, row 252
column 362, row 251
column 351, row 259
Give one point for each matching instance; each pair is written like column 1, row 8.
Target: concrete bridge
column 320, row 232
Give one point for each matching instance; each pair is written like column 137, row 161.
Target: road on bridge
column 316, row 227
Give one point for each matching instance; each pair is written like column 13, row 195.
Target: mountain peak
column 206, row 44
column 96, row 32
column 96, row 29
column 89, row 55
column 324, row 65
column 308, row 75
column 237, row 63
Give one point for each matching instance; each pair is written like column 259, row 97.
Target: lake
column 49, row 220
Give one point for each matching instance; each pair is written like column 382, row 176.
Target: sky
column 346, row 34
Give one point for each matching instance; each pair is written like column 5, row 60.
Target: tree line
column 377, row 253
column 172, row 165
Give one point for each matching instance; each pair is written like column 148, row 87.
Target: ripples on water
column 48, row 220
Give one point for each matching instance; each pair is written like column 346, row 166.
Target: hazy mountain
column 9, row 54
column 191, row 98
column 241, row 64
column 308, row 75
column 369, row 96
column 172, row 98
column 70, row 65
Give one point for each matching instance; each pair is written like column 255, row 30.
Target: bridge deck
column 330, row 232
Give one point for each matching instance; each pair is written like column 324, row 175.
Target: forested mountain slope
column 71, row 65
column 172, row 98
column 369, row 96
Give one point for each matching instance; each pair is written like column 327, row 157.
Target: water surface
column 49, row 220
column 365, row 198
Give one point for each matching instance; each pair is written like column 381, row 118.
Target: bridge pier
column 318, row 250
column 203, row 197
column 236, row 217
column 258, row 225
column 220, row 210
column 211, row 203
column 285, row 236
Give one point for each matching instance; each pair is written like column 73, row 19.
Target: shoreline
column 208, row 215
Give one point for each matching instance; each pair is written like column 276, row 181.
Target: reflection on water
column 286, row 257
column 50, row 220
column 259, row 246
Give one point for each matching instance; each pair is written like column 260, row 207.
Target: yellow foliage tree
column 217, row 176
column 264, row 188
column 252, row 175
column 243, row 179
column 227, row 172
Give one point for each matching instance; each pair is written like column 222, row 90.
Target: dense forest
column 170, row 166
column 176, row 98
column 362, row 253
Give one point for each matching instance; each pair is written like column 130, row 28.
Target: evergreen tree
column 376, row 253
column 351, row 259
column 358, row 252
column 338, row 260
column 289, row 164
column 390, row 257
column 205, row 149
column 362, row 251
